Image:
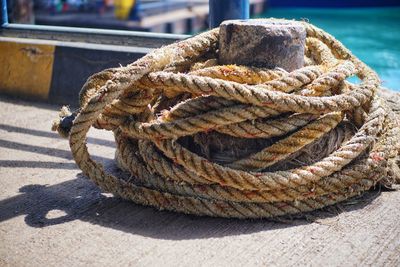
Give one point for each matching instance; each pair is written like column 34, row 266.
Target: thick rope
column 161, row 106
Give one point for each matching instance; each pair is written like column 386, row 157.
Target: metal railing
column 219, row 10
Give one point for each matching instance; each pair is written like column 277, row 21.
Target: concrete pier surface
column 50, row 215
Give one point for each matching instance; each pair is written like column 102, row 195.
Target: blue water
column 373, row 34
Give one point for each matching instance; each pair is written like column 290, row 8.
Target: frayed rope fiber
column 235, row 141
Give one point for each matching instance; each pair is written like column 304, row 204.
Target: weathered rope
column 162, row 106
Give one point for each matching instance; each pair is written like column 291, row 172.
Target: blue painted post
column 221, row 10
column 134, row 15
column 4, row 15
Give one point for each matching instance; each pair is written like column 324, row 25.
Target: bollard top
column 266, row 43
column 263, row 22
column 290, row 27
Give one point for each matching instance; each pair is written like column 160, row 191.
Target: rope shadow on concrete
column 48, row 134
column 37, row 164
column 54, row 152
column 80, row 199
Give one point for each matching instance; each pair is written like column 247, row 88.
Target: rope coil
column 166, row 108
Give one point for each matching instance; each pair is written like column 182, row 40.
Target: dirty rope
column 161, row 107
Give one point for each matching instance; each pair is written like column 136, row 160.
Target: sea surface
column 373, row 34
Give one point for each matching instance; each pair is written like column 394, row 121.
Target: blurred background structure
column 172, row 16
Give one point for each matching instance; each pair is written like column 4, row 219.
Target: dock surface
column 51, row 215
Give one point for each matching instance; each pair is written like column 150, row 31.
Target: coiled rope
column 161, row 104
